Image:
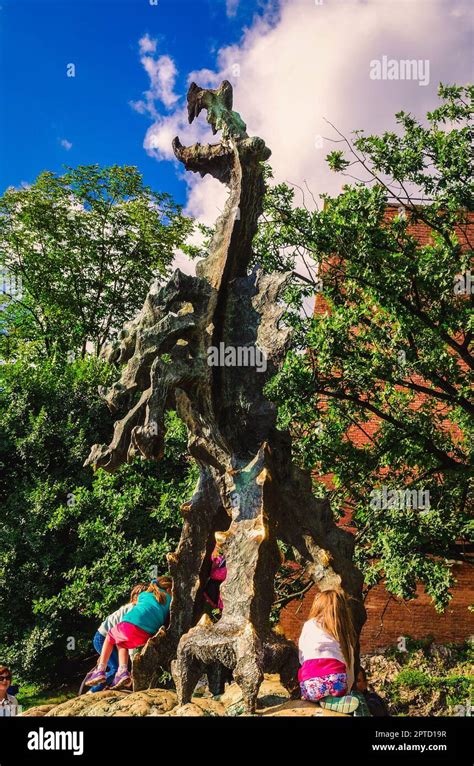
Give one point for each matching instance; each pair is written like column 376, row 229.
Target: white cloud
column 302, row 64
column 162, row 75
column 65, row 144
column 147, row 44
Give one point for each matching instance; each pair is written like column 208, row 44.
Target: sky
column 296, row 66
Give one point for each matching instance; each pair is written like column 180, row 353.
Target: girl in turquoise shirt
column 149, row 614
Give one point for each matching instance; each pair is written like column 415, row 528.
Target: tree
column 72, row 544
column 84, row 247
column 389, row 353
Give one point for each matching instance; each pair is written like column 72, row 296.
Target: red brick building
column 388, row 617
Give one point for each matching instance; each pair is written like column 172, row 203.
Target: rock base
column 273, row 700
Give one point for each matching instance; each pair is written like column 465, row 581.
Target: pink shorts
column 128, row 636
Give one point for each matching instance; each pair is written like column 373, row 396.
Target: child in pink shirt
column 217, row 575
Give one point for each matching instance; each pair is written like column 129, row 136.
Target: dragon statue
column 249, row 490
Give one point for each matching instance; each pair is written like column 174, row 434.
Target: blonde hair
column 137, row 589
column 158, row 588
column 331, row 611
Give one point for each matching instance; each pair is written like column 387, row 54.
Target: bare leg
column 106, row 651
column 123, row 655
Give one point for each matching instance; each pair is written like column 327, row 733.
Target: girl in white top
column 326, row 653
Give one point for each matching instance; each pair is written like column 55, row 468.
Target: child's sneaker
column 122, row 680
column 346, row 704
column 95, row 677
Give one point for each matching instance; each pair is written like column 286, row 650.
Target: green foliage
column 413, row 679
column 85, row 246
column 388, row 357
column 426, row 679
column 73, row 543
column 31, row 695
column 456, row 689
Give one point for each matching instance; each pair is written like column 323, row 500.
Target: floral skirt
column 314, row 689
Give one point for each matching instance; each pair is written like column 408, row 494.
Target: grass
column 432, row 683
column 31, row 695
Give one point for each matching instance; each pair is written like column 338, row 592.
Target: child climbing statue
column 216, row 577
column 101, row 634
column 326, row 653
column 146, row 617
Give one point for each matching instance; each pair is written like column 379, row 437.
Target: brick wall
column 389, row 617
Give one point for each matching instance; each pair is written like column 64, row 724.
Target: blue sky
column 300, row 63
column 41, row 106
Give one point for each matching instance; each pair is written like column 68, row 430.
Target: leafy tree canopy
column 86, row 246
column 388, row 355
column 80, row 251
column 73, row 543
